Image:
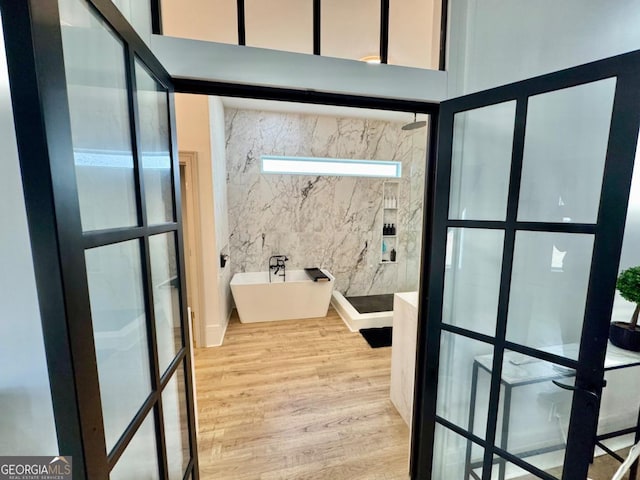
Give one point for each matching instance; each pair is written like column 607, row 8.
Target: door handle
column 573, row 388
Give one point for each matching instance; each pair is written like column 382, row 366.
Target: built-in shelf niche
column 390, row 217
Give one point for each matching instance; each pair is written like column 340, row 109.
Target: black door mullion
column 317, row 32
column 154, row 361
column 384, row 31
column 242, row 36
column 156, row 17
column 134, row 128
column 147, row 276
column 101, row 238
column 525, row 226
column 612, row 213
column 514, row 347
column 419, row 461
column 498, row 351
column 513, row 198
column 434, row 242
column 141, row 415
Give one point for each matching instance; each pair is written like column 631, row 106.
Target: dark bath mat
column 372, row 303
column 377, row 337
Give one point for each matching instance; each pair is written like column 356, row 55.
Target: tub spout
column 277, row 264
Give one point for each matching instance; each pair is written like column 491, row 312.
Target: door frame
column 608, row 232
column 194, row 273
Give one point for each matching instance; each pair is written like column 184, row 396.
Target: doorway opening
column 295, row 394
column 190, row 206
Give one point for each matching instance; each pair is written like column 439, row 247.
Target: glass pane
column 350, row 29
column 176, row 425
column 27, row 426
column 140, row 459
column 549, row 290
column 215, row 21
column 410, row 43
column 280, row 25
column 481, row 162
column 119, row 325
column 95, row 69
column 138, row 12
column 166, row 297
column 472, row 279
column 630, row 256
column 454, row 456
column 153, row 109
column 564, row 153
column 534, row 413
column 503, row 469
column 463, row 382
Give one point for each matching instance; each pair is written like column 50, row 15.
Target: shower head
column 415, row 124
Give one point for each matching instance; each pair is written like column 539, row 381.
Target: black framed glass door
column 97, row 144
column 529, row 202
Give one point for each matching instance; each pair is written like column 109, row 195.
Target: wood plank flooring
column 298, row 399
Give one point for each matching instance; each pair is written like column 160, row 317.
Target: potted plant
column 622, row 334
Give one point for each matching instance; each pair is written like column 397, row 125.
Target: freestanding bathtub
column 257, row 300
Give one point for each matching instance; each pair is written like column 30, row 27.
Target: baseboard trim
column 215, row 333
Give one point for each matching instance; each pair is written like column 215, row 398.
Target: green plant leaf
column 628, row 284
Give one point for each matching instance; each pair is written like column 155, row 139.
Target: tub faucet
column 277, row 264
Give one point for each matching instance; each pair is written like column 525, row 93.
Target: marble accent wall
column 325, row 221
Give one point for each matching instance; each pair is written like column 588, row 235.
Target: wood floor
column 301, row 399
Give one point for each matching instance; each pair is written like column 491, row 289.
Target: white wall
column 194, row 135
column 26, row 423
column 493, row 42
column 221, row 206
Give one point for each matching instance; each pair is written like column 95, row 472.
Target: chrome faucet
column 277, row 264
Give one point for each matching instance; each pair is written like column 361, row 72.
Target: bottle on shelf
column 392, row 255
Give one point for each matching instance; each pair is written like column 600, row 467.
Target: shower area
column 365, row 230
